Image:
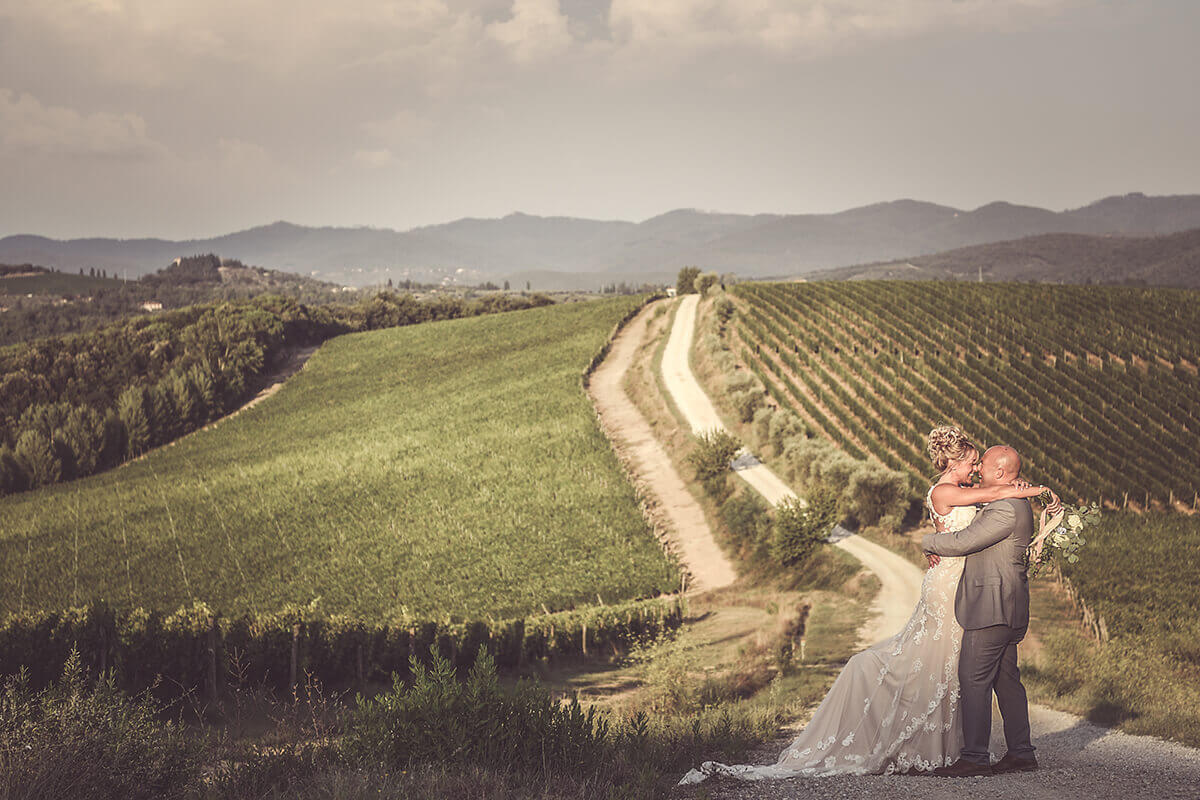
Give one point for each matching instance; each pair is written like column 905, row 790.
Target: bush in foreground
column 78, row 739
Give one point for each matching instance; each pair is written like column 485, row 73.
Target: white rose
column 1074, row 521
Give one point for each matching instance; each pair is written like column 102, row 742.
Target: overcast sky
column 190, row 118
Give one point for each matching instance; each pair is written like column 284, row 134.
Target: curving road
column 900, row 580
column 687, row 528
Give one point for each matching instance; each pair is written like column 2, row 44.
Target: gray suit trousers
column 988, row 662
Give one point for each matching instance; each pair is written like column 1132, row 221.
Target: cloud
column 374, row 159
column 27, row 127
column 802, row 29
column 537, row 30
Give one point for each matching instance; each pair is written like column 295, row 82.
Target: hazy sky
column 181, row 118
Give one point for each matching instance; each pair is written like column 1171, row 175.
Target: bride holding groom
column 921, row 701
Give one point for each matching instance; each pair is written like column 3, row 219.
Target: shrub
column 747, row 403
column 686, row 281
column 746, row 517
column 131, row 407
column 706, row 281
column 37, row 458
column 876, row 494
column 713, row 453
column 711, row 459
column 76, row 740
column 761, row 423
column 723, row 307
column 785, row 425
column 800, row 527
column 437, row 719
column 740, row 381
column 12, row 474
column 804, row 458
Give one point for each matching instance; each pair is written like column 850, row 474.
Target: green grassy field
column 55, row 283
column 451, row 468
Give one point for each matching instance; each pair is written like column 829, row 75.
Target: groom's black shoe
column 963, row 769
column 1011, row 763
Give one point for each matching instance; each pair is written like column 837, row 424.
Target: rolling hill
column 595, row 252
column 447, row 468
column 1167, row 260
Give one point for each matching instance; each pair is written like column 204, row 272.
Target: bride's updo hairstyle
column 947, row 444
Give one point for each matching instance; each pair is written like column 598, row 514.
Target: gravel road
column 900, row 580
column 686, row 528
column 1080, row 761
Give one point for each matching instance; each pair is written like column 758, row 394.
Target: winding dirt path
column 682, row 520
column 900, row 580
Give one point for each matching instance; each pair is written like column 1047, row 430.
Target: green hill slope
column 445, row 468
column 39, row 282
column 1096, row 387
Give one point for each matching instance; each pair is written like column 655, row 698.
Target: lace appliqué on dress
column 894, row 707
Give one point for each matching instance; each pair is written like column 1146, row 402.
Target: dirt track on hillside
column 679, row 516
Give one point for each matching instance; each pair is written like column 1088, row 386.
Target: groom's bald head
column 999, row 465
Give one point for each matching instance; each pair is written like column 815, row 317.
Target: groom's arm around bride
column 992, row 606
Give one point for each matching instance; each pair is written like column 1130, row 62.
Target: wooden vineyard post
column 212, row 658
column 295, row 654
column 585, row 639
column 103, row 653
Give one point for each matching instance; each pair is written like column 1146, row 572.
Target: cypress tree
column 36, row 456
column 131, row 408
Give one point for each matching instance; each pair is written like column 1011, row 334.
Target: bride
column 894, row 707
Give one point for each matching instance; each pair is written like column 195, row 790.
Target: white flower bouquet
column 1060, row 539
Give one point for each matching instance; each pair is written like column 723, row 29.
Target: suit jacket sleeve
column 992, row 525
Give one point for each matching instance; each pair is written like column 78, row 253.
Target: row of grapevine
column 1097, row 388
column 196, row 649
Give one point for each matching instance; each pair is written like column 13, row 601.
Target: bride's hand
column 1055, row 504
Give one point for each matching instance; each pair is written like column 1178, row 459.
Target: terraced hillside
column 1097, row 387
column 449, row 468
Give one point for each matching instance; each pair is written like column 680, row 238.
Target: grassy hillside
column 446, row 468
column 1096, row 387
column 55, row 283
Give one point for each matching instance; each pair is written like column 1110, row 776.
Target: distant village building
column 152, row 305
column 671, row 291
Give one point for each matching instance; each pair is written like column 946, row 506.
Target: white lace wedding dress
column 894, row 707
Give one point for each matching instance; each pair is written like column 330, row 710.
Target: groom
column 992, row 605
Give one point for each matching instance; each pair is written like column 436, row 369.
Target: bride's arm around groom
column 992, row 606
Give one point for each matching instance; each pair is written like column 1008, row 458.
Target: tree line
column 74, row 405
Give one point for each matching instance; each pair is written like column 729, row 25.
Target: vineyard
column 1139, row 576
column 1141, row 572
column 1097, row 388
column 446, row 470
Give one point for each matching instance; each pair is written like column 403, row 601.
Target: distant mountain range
column 565, row 252
column 1170, row 260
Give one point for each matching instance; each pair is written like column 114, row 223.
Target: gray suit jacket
column 994, row 589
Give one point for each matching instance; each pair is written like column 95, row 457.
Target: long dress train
column 894, row 707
